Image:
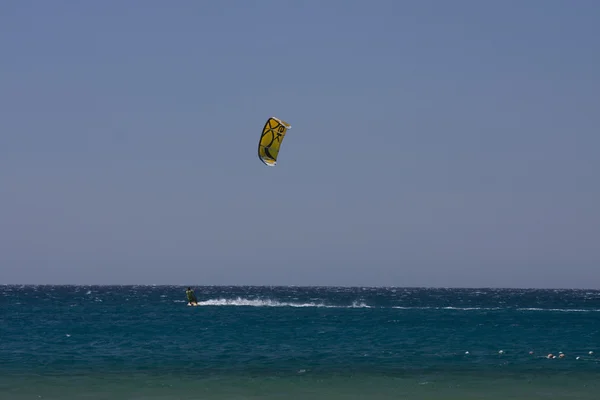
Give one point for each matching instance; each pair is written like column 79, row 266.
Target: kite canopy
column 270, row 140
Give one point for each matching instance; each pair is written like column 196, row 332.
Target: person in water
column 191, row 297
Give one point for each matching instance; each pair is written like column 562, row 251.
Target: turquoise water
column 144, row 342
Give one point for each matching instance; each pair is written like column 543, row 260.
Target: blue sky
column 434, row 143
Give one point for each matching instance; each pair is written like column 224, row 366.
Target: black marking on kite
column 269, row 154
column 272, row 138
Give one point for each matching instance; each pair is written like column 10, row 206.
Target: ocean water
column 144, row 342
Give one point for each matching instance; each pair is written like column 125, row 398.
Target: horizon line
column 302, row 286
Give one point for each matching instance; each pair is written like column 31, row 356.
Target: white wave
column 362, row 304
column 497, row 308
column 559, row 309
column 450, row 308
column 245, row 302
column 472, row 308
column 239, row 301
column 256, row 303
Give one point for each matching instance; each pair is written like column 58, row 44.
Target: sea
column 145, row 342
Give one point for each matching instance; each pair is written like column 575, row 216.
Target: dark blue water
column 299, row 336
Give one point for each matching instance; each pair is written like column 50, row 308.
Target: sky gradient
column 433, row 143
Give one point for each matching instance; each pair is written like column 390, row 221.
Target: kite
column 270, row 140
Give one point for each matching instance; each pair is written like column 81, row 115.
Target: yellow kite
column 270, row 140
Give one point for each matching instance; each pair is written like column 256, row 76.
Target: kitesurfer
column 191, row 297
